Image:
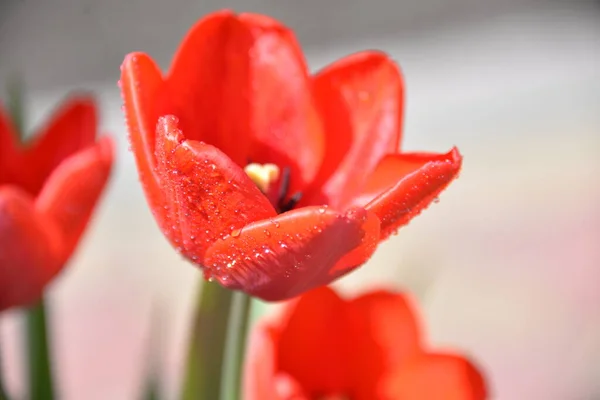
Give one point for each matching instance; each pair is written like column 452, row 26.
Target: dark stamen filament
column 283, row 205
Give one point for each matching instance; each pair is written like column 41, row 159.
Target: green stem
column 38, row 355
column 237, row 329
column 207, row 343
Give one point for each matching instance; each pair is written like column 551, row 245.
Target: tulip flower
column 324, row 347
column 48, row 189
column 272, row 180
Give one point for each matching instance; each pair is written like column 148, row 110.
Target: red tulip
column 48, row 190
column 369, row 348
column 239, row 93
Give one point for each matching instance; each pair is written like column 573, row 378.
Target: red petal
column 386, row 335
column 408, row 183
column 282, row 257
column 240, row 83
column 208, row 195
column 31, row 249
column 361, row 100
column 314, row 345
column 141, row 82
column 9, row 156
column 70, row 194
column 72, row 128
column 437, row 377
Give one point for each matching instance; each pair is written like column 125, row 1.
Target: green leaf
column 152, row 382
column 15, row 106
column 152, row 390
column 3, row 392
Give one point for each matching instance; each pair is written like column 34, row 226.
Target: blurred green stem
column 237, row 330
column 38, row 355
column 207, row 343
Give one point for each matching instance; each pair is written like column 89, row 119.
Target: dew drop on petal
column 235, row 232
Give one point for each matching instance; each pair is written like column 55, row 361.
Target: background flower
column 49, row 186
column 324, row 347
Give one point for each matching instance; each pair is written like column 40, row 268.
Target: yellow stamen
column 262, row 175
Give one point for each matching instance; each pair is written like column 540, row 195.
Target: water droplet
column 267, row 233
column 436, row 200
column 236, row 232
column 322, row 210
column 276, row 224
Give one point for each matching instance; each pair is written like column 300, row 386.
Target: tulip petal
column 209, row 196
column 240, row 83
column 314, row 343
column 31, row 251
column 71, row 129
column 70, row 194
column 141, row 82
column 437, row 377
column 282, row 257
column 9, row 156
column 387, row 334
column 361, row 98
column 407, row 184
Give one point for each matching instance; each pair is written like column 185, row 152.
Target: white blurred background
column 506, row 266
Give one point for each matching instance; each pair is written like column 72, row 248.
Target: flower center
column 263, row 175
column 275, row 184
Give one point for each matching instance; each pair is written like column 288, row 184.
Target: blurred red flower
column 239, row 93
column 48, row 189
column 368, row 348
